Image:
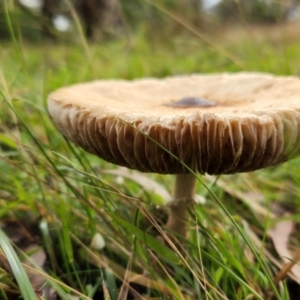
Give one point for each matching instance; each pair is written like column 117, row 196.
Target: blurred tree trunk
column 255, row 11
column 49, row 9
column 98, row 15
column 196, row 7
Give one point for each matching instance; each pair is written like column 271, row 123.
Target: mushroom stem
column 183, row 195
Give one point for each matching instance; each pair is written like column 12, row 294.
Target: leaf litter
column 280, row 233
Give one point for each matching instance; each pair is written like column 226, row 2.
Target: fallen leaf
column 280, row 234
column 259, row 244
column 36, row 258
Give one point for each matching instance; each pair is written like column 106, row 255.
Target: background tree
column 99, row 16
column 259, row 11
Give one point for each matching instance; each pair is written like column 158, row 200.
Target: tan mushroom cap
column 252, row 121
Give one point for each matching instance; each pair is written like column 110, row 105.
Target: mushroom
column 215, row 124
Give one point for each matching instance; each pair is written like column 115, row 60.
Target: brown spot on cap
column 192, row 102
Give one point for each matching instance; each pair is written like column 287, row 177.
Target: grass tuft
column 55, row 195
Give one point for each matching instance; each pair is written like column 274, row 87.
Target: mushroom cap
column 215, row 124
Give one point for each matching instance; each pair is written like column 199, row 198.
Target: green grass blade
column 17, row 268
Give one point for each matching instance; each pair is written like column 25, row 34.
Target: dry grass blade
column 106, row 292
column 145, row 182
column 289, row 267
column 7, row 288
column 57, row 282
column 121, row 273
column 125, row 285
column 254, row 205
column 178, row 18
column 201, row 281
column 4, row 264
column 147, row 298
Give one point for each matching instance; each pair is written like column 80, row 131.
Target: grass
column 56, row 195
